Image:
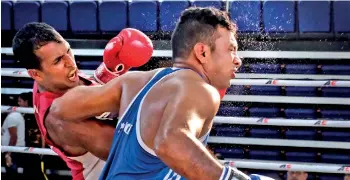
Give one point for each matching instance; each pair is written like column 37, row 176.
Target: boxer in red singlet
column 50, row 62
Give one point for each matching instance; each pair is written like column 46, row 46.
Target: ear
column 36, row 74
column 202, row 52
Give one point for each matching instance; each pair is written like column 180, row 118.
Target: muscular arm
column 176, row 141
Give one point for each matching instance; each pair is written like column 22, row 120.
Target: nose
column 237, row 62
column 69, row 61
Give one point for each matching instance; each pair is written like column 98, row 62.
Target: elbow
column 164, row 142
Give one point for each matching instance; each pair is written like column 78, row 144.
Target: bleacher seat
column 246, row 14
column 169, row 13
column 301, row 69
column 265, row 90
column 231, row 111
column 336, row 158
column 112, row 15
column 301, row 134
column 201, row 3
column 89, row 64
column 55, row 13
column 335, row 114
column 331, row 135
column 83, row 16
column 313, row 19
column 143, row 15
column 264, row 112
column 236, row 90
column 301, row 156
column 230, row 152
column 265, row 133
column 6, row 15
column 331, row 177
column 265, row 68
column 8, row 63
column 341, row 19
column 230, row 131
column 294, row 113
column 265, row 154
column 25, row 12
column 336, row 92
column 301, row 91
column 279, row 16
column 336, row 69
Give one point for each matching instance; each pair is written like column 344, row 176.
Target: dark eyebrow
column 59, row 57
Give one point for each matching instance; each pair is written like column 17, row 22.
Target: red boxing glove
column 130, row 48
column 222, row 93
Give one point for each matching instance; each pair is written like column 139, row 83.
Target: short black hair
column 198, row 24
column 27, row 96
column 30, row 38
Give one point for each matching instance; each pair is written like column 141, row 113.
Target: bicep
column 13, row 131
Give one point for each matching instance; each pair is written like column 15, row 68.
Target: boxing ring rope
column 239, row 163
column 246, row 98
column 241, row 120
column 245, row 54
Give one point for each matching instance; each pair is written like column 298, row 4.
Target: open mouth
column 73, row 76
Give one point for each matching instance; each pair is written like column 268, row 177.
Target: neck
column 41, row 88
column 179, row 63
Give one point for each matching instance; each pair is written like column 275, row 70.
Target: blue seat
column 313, row 19
column 169, row 13
column 230, row 152
column 336, row 136
column 301, row 69
column 341, row 18
column 6, row 15
column 301, row 134
column 55, row 13
column 336, row 69
column 112, row 15
column 264, row 112
column 335, row 158
column 265, row 68
column 25, row 12
column 335, row 114
column 143, row 15
column 246, row 14
column 265, row 154
column 83, row 16
column 279, row 16
column 301, row 156
column 265, row 133
column 229, row 131
column 301, row 91
column 331, row 177
column 201, row 3
column 89, row 64
column 265, row 90
column 336, row 92
column 294, row 113
column 9, row 63
column 231, row 111
column 236, row 89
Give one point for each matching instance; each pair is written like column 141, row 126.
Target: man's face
column 58, row 68
column 22, row 103
column 296, row 175
column 224, row 59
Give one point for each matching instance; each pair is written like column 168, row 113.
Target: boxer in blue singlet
column 167, row 114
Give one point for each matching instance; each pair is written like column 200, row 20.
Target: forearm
column 13, row 141
column 183, row 153
column 85, row 102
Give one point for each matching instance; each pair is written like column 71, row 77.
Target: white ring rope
column 243, row 78
column 245, row 54
column 239, row 163
column 241, row 120
column 279, row 142
column 246, row 98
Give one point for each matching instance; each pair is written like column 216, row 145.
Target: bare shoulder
column 137, row 76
